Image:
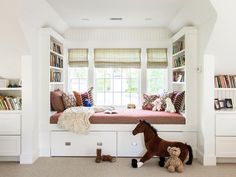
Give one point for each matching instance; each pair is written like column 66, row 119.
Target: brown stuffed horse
column 158, row 147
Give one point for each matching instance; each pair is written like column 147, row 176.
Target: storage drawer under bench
column 64, row 143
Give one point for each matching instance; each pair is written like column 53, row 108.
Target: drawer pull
column 67, row 143
column 134, row 144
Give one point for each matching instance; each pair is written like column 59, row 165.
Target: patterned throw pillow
column 179, row 100
column 88, row 95
column 56, row 101
column 78, row 97
column 68, row 100
column 148, row 101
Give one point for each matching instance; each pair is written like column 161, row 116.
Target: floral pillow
column 148, row 101
column 82, row 98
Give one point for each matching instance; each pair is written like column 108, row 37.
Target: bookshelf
column 53, row 77
column 225, row 122
column 10, row 121
column 183, row 64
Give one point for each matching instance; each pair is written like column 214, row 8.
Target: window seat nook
column 131, row 116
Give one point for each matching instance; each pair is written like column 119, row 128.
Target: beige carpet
column 86, row 167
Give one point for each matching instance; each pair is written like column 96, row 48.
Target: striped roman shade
column 78, row 57
column 157, row 58
column 117, row 58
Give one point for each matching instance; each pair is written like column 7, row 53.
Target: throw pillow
column 68, row 100
column 88, row 95
column 148, row 101
column 78, row 97
column 179, row 100
column 56, row 101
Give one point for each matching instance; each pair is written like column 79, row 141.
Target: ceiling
column 135, row 13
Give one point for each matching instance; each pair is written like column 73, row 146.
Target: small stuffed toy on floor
column 174, row 163
column 100, row 157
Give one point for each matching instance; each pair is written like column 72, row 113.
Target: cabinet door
column 10, row 124
column 71, row 144
column 225, row 146
column 9, row 145
column 130, row 145
column 225, row 124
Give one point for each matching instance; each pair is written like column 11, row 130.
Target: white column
column 91, row 67
column 143, row 81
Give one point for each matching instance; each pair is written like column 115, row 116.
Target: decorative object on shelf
column 10, row 103
column 4, row 83
column 216, row 104
column 174, row 163
column 228, row 103
column 222, row 104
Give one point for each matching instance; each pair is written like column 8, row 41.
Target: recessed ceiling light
column 84, row 19
column 116, row 18
column 148, row 19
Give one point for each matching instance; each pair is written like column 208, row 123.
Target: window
column 117, row 74
column 117, row 86
column 78, row 78
column 78, row 69
column 156, row 70
column 156, row 80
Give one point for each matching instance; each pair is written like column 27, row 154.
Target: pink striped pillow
column 178, row 101
column 148, row 101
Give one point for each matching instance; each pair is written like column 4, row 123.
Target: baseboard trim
column 226, row 160
column 29, row 158
column 10, row 158
column 209, row 160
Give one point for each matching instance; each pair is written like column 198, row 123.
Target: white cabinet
column 10, row 133
column 71, row 144
column 225, row 134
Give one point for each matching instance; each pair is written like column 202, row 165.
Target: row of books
column 225, row 81
column 10, row 103
column 56, row 61
column 55, row 76
column 178, row 62
column 178, row 76
column 56, row 47
column 178, row 46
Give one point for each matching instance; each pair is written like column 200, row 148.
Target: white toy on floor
column 169, row 106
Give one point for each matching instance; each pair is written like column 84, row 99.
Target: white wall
column 12, row 43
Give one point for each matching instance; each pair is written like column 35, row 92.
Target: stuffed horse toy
column 158, row 147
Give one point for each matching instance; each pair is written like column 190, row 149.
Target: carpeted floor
column 86, row 167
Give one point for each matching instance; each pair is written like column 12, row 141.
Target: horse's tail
column 190, row 152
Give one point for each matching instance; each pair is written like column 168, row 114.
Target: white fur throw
column 76, row 119
column 169, row 106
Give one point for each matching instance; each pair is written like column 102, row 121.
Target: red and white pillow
column 148, row 101
column 179, row 101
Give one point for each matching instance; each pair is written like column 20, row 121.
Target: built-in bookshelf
column 10, row 97
column 178, row 61
column 183, row 64
column 225, row 81
column 56, row 61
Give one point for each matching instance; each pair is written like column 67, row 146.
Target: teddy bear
column 174, row 163
column 157, row 104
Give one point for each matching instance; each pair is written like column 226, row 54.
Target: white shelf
column 225, row 89
column 56, row 68
column 56, row 83
column 226, row 111
column 180, row 83
column 10, row 89
column 179, row 53
column 10, row 111
column 60, row 55
column 178, row 68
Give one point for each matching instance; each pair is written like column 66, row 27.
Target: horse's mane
column 152, row 128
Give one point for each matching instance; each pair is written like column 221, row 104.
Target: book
column 110, row 112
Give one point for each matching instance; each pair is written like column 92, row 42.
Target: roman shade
column 117, row 58
column 78, row 57
column 157, row 58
